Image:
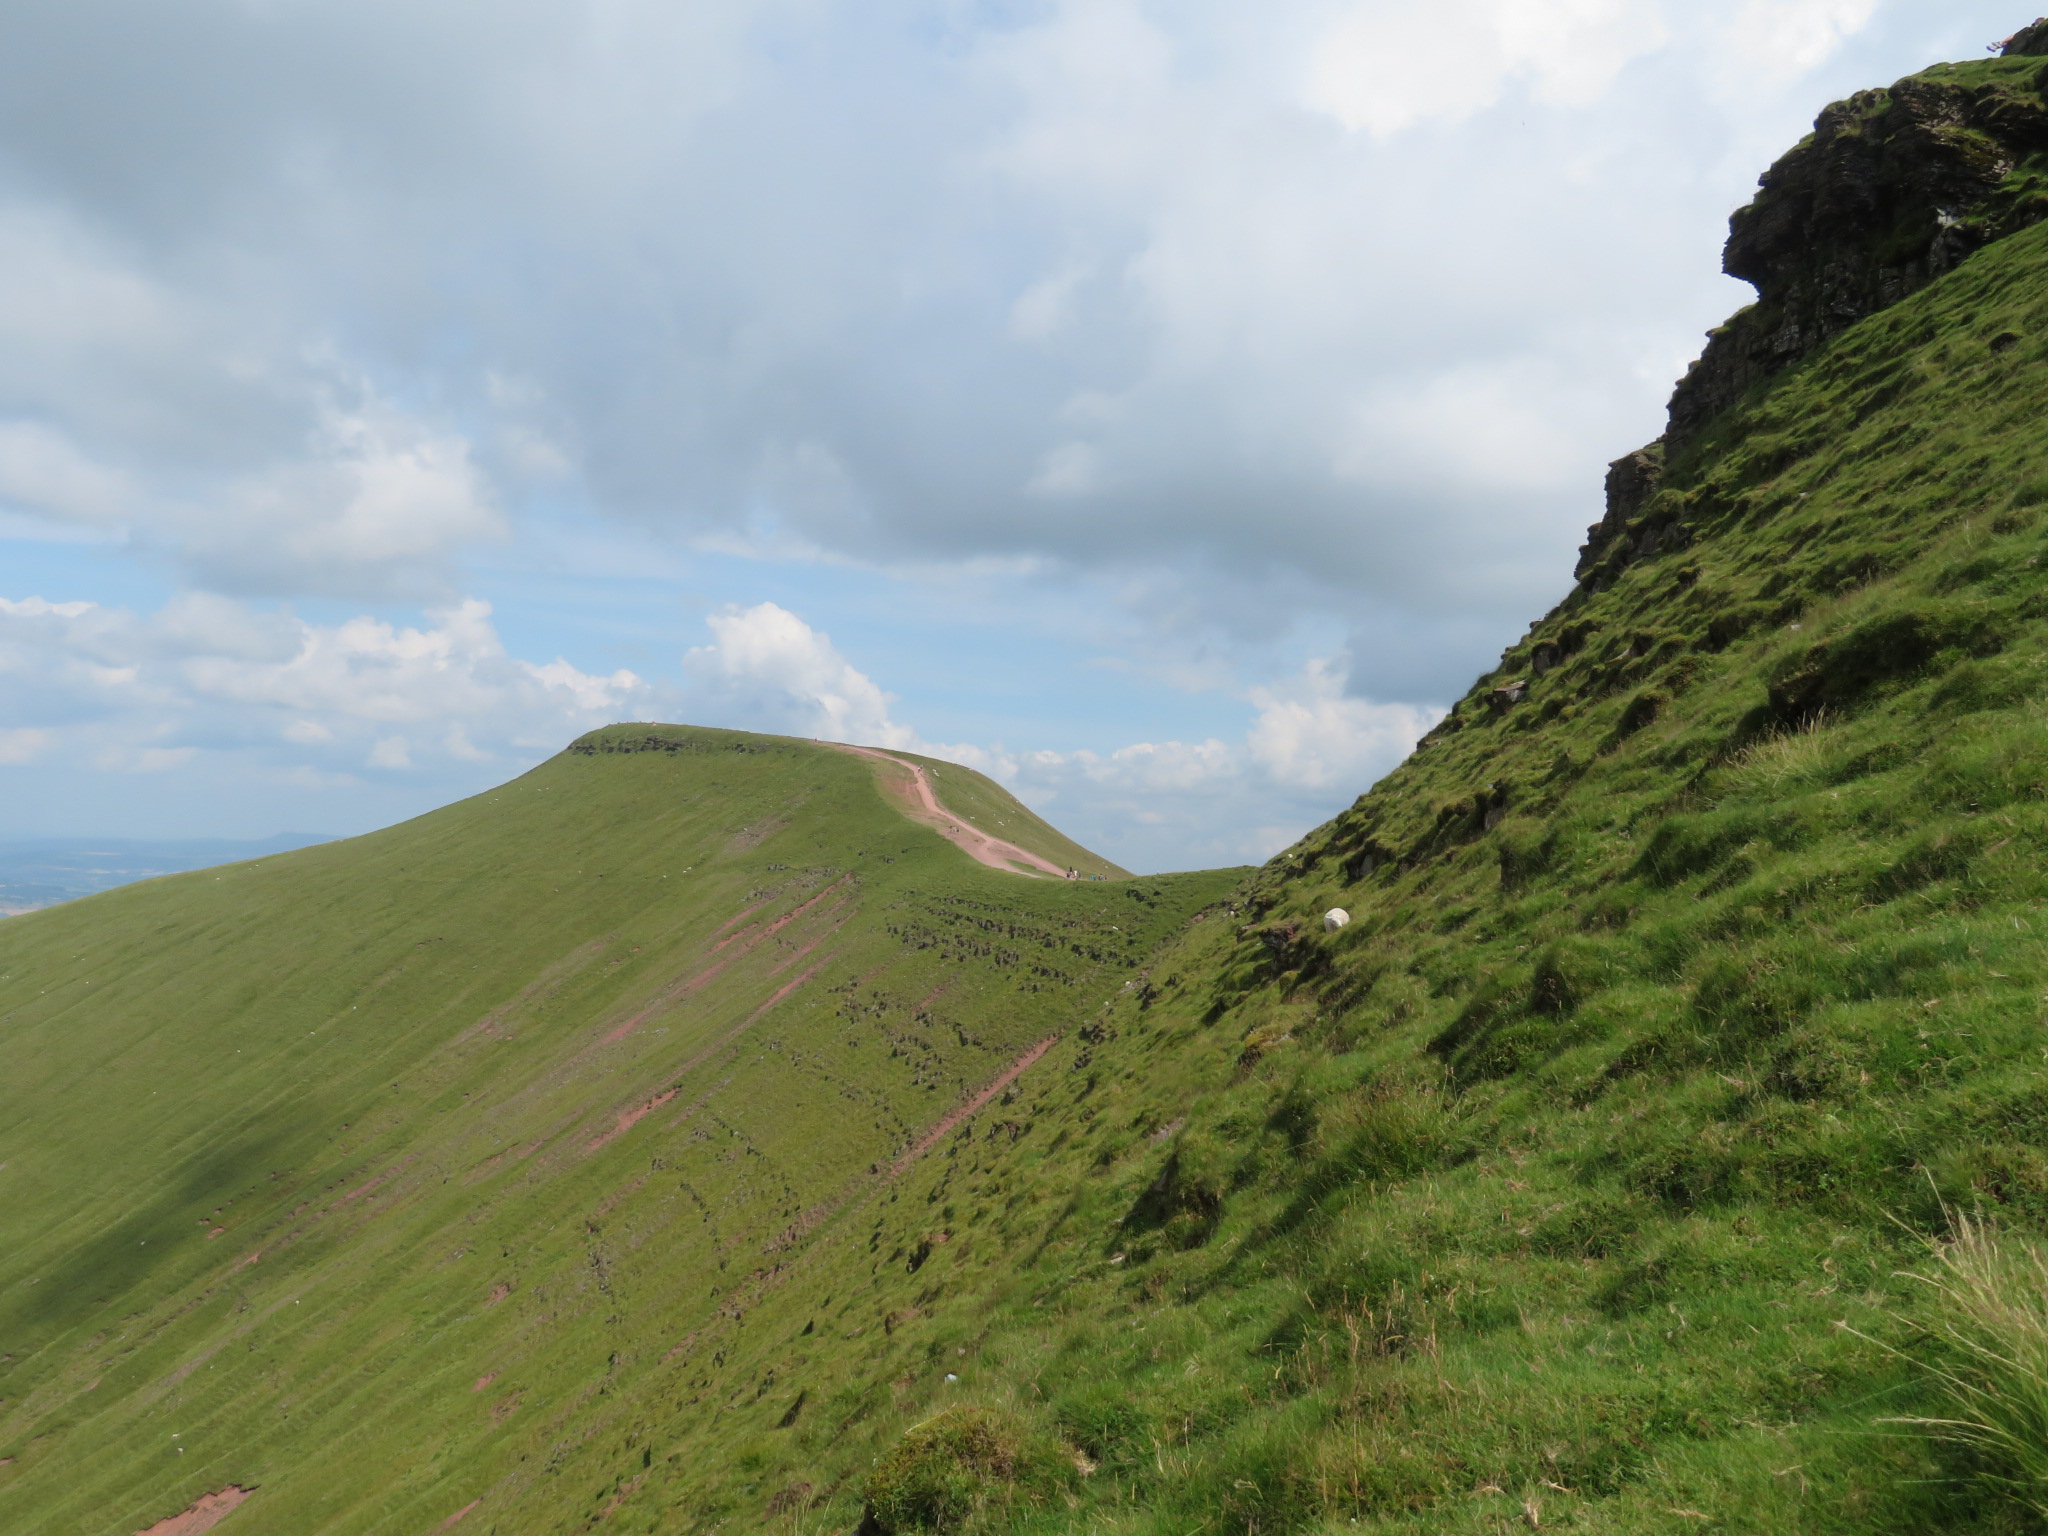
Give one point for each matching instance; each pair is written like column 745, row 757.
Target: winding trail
column 924, row 807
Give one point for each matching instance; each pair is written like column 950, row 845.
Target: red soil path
column 973, row 1106
column 211, row 1509
column 975, row 843
column 747, row 938
column 757, row 1285
column 628, row 1118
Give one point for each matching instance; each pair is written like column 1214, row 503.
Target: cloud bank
column 1283, row 344
column 301, row 291
column 208, row 680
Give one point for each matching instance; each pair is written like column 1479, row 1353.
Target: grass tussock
column 1988, row 1356
column 968, row 1465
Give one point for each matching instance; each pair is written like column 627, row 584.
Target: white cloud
column 372, row 280
column 765, row 663
column 377, row 502
column 1387, row 65
column 1310, row 735
column 1486, row 428
column 1310, row 748
column 588, row 692
column 148, row 691
column 1046, row 308
column 1780, row 40
column 157, row 759
column 23, row 745
column 1272, row 328
column 1072, row 469
column 367, row 669
column 36, row 607
column 43, row 471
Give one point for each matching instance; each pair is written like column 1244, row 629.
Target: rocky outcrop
column 1892, row 189
column 1632, row 480
column 2028, row 42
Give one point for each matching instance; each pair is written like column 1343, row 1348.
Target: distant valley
column 41, row 872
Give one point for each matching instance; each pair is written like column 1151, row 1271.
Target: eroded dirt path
column 972, row 1107
column 923, row 806
column 211, row 1509
column 756, row 1287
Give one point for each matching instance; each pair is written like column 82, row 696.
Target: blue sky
column 1166, row 408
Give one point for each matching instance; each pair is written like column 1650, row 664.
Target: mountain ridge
column 381, row 1096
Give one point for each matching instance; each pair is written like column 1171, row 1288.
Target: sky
column 1165, row 408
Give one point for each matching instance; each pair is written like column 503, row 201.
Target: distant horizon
column 42, row 872
column 67, row 839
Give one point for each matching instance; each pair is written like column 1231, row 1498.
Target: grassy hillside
column 1695, row 985
column 435, row 1165
column 663, row 1143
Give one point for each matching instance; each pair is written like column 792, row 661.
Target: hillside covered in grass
column 680, row 1140
column 1694, row 989
column 393, row 1173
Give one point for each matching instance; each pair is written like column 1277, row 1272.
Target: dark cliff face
column 1892, row 189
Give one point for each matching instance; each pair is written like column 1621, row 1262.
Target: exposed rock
column 1632, row 480
column 2028, row 42
column 1493, row 806
column 1892, row 189
column 1365, row 861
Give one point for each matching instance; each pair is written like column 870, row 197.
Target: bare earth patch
column 973, row 1106
column 209, row 1511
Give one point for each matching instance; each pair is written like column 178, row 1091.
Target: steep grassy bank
column 1697, row 970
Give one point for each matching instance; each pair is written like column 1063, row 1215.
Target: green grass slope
column 433, row 1166
column 1696, row 975
column 1694, row 981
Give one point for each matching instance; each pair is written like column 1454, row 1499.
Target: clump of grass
column 1991, row 1366
column 1784, row 758
column 954, row 1465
